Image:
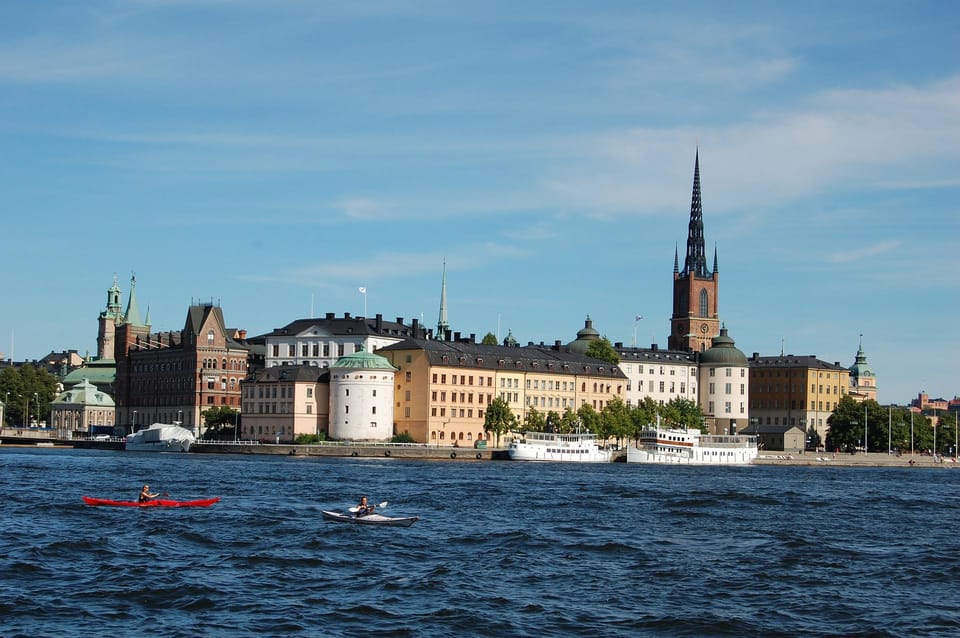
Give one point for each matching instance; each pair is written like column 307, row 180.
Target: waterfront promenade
column 370, row 450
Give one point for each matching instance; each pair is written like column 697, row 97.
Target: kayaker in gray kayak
column 364, row 508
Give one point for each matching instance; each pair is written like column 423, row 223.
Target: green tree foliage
column 643, row 415
column 534, row 421
column 602, row 349
column 489, row 339
column 616, row 419
column 589, row 420
column 499, row 418
column 402, row 437
column 682, row 413
column 886, row 427
column 220, row 422
column 310, row 439
column 22, row 388
column 568, row 422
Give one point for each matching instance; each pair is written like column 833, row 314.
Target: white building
column 321, row 341
column 361, row 398
column 724, row 386
column 662, row 375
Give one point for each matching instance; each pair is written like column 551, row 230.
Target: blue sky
column 276, row 156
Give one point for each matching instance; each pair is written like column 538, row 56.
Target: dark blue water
column 502, row 549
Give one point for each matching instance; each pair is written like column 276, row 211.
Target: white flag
column 363, row 290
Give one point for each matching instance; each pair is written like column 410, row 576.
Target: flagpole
column 363, row 291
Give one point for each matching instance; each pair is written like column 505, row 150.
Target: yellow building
column 796, row 391
column 443, row 387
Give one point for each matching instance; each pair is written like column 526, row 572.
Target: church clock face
column 704, row 327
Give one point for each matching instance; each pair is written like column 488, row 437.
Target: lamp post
column 636, row 321
column 134, row 420
column 911, row 432
column 36, row 398
column 179, row 417
column 26, row 412
column 3, row 417
column 865, row 445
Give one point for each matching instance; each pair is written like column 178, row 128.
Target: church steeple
column 695, row 320
column 696, row 260
column 132, row 314
column 443, row 326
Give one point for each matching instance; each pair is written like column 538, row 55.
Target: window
column 704, row 307
column 309, row 393
column 210, row 337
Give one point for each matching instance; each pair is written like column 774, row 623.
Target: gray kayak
column 371, row 519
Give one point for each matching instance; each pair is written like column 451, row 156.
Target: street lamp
column 179, row 417
column 134, row 420
column 36, row 398
column 865, row 446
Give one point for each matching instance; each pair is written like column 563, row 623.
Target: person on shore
column 364, row 508
column 146, row 495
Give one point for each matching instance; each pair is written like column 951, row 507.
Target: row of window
column 464, row 379
column 313, row 349
column 464, row 397
column 727, row 388
column 727, row 408
column 728, row 372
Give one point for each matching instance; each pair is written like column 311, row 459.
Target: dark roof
column 792, row 361
column 653, row 355
column 302, row 372
column 347, row 325
column 528, row 358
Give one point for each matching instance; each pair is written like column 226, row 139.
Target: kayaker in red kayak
column 363, row 508
column 146, row 495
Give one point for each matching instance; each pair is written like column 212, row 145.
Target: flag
column 639, row 317
column 363, row 290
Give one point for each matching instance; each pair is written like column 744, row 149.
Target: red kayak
column 157, row 502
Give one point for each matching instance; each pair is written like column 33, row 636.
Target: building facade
column 444, row 387
column 81, row 411
column 361, row 398
column 662, row 375
column 282, row 402
column 172, row 377
column 322, row 341
column 796, row 390
column 724, row 386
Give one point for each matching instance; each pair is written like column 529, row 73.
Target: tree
column 602, row 349
column 846, row 427
column 219, row 421
column 489, row 339
column 589, row 419
column 26, row 392
column 683, row 413
column 499, row 418
column 534, row 421
column 616, row 417
column 643, row 415
column 568, row 422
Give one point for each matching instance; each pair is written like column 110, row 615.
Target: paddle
column 356, row 509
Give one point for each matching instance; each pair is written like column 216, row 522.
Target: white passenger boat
column 690, row 447
column 550, row 446
column 161, row 437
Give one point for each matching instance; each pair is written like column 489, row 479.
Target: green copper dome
column 723, row 352
column 363, row 361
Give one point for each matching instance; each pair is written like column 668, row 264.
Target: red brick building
column 173, row 376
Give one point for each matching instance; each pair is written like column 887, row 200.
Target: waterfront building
column 695, row 319
column 172, row 377
column 724, row 386
column 796, row 390
column 863, row 382
column 81, row 411
column 361, row 398
column 662, row 375
column 283, row 402
column 350, row 400
column 321, row 341
column 444, row 387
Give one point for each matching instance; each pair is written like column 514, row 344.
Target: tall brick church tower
column 695, row 321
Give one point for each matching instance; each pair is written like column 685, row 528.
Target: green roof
column 363, row 360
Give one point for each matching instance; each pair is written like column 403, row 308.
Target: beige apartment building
column 444, row 387
column 789, row 390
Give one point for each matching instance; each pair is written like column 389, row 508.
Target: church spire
column 676, row 259
column 696, row 260
column 132, row 314
column 443, row 326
